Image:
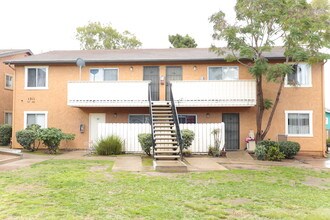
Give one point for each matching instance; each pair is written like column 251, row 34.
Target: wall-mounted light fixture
column 195, row 68
column 207, row 115
column 131, row 68
column 162, row 80
column 115, row 115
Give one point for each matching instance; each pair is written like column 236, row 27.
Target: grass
column 147, row 161
column 88, row 189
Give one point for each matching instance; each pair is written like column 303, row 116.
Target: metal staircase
column 167, row 140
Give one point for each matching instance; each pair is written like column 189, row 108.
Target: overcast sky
column 42, row 25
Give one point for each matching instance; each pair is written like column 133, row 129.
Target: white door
column 94, row 120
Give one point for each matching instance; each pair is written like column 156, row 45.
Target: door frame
column 158, row 82
column 239, row 128
column 167, row 81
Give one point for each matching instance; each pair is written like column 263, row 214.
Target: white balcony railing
column 108, row 94
column 225, row 93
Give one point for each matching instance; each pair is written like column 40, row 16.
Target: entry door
column 231, row 121
column 94, row 120
column 172, row 73
column 152, row 73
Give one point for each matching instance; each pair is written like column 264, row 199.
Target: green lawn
column 88, row 189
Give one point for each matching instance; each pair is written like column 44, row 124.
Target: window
column 9, row 82
column 138, row 119
column 39, row 118
column 36, row 77
column 222, row 72
column 8, row 118
column 109, row 74
column 299, row 123
column 301, row 76
column 187, row 119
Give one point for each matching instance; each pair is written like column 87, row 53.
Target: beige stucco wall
column 60, row 115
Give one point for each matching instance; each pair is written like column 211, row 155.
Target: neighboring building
column 113, row 87
column 7, row 83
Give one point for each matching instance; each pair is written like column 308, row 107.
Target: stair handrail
column 151, row 120
column 176, row 121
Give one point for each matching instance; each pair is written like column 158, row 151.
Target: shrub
column 145, row 141
column 214, row 151
column 267, row 143
column 274, row 154
column 261, row 152
column 187, row 138
column 186, row 153
column 26, row 138
column 111, row 145
column 289, row 148
column 328, row 142
column 5, row 134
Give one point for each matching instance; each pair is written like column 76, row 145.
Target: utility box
column 250, row 142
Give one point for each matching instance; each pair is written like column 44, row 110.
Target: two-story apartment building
column 6, row 83
column 51, row 90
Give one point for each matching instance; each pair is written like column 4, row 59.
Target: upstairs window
column 98, row 74
column 36, row 77
column 9, row 81
column 223, row 73
column 301, row 76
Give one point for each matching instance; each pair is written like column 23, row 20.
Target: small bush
column 274, row 154
column 51, row 138
column 5, row 134
column 261, row 152
column 214, row 151
column 186, row 153
column 188, row 137
column 267, row 143
column 328, row 142
column 111, row 145
column 289, row 148
column 145, row 141
column 26, row 138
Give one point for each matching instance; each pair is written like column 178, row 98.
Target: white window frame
column 35, row 112
column 108, row 68
column 299, row 112
column 208, row 72
column 299, row 85
column 12, row 81
column 26, row 78
column 188, row 115
column 137, row 115
column 4, row 115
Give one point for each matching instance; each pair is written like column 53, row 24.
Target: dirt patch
column 98, row 168
column 318, row 182
column 237, row 201
column 244, row 167
column 22, row 188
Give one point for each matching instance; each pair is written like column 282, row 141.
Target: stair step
column 165, row 134
column 162, row 125
column 166, row 147
column 163, row 119
column 168, row 151
column 166, row 142
column 165, row 138
column 166, row 156
column 162, row 111
column 161, row 115
column 161, row 108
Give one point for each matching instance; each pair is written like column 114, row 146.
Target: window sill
column 35, row 88
column 300, row 135
column 9, row 88
column 298, row 86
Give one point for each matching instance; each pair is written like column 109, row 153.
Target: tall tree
column 179, row 41
column 302, row 29
column 94, row 35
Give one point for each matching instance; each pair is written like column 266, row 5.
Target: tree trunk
column 260, row 108
column 270, row 119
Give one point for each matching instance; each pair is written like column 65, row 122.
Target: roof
column 131, row 56
column 10, row 52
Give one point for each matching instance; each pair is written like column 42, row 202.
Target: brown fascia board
column 43, row 62
column 14, row 52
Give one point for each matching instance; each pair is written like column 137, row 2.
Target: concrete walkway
column 234, row 160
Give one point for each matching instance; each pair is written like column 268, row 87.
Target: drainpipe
column 323, row 109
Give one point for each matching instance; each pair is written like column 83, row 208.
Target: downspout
column 323, row 111
column 14, row 105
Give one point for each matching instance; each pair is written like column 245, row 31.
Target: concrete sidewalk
column 133, row 163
